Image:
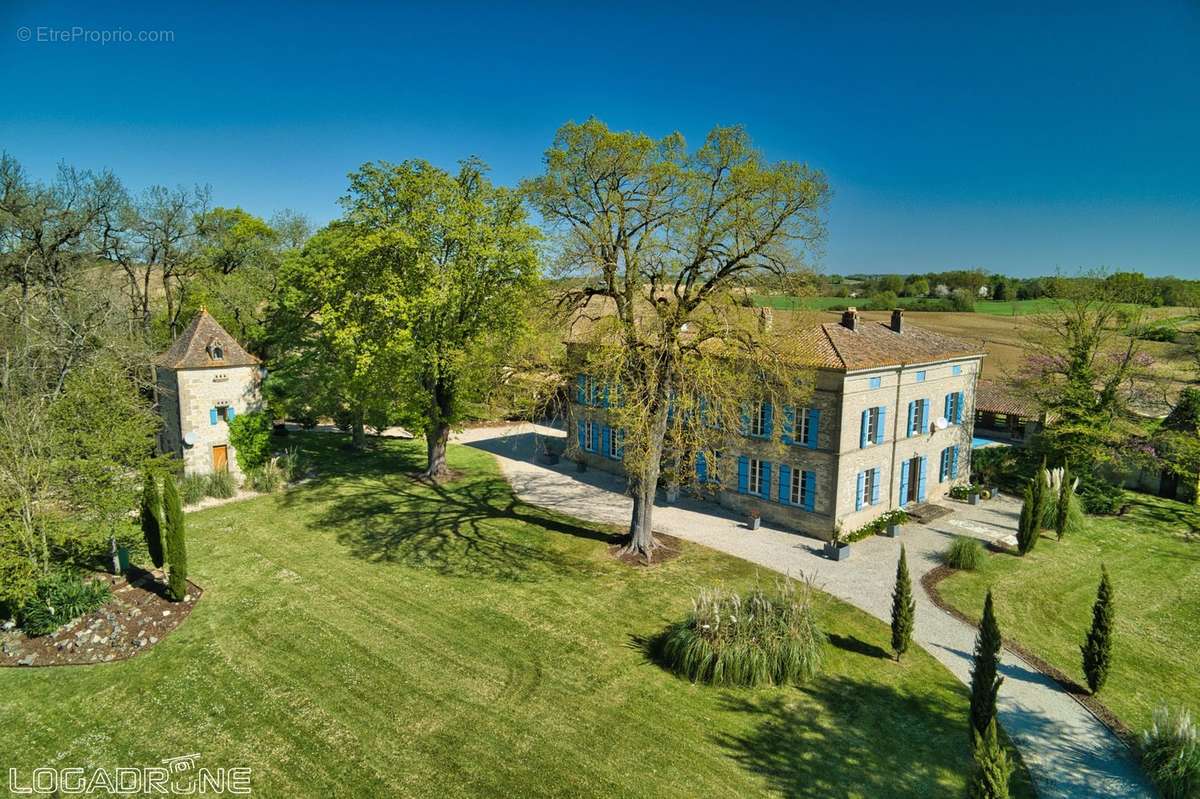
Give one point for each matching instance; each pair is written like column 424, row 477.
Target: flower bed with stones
column 138, row 616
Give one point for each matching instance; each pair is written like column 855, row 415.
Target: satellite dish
column 189, row 438
column 941, row 423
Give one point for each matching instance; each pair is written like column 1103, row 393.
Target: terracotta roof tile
column 194, row 347
column 993, row 397
column 875, row 345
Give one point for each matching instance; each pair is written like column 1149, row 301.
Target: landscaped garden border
column 930, row 580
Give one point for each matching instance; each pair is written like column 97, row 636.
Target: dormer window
column 215, row 351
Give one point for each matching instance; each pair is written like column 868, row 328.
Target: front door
column 220, row 458
column 914, row 480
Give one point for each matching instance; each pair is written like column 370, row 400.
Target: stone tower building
column 204, row 381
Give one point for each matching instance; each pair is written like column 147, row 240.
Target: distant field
column 988, row 307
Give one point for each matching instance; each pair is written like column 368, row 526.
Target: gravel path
column 1068, row 752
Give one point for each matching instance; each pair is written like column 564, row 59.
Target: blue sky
column 1024, row 139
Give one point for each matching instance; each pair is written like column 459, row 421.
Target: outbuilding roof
column 205, row 344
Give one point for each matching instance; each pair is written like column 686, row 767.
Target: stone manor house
column 889, row 425
column 203, row 381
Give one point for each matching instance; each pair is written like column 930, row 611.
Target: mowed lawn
column 1044, row 600
column 369, row 635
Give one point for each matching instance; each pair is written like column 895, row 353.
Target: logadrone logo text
column 177, row 775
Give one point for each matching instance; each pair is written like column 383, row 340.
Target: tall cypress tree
column 1097, row 648
column 176, row 547
column 151, row 517
column 903, row 608
column 993, row 769
column 985, row 680
column 1027, row 526
column 1062, row 511
column 1041, row 497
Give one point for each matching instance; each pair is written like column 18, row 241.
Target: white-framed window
column 801, row 425
column 869, row 478
column 873, row 425
column 755, row 477
column 920, row 416
column 589, row 437
column 799, row 493
column 758, row 419
column 614, row 444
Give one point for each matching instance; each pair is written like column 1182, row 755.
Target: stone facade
column 204, row 381
column 839, row 455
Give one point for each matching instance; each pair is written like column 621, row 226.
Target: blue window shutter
column 581, row 389
column 875, row 487
column 912, row 417
column 875, row 382
column 789, row 424
column 862, row 436
column 701, row 468
column 958, row 409
column 595, row 437
column 944, row 465
column 582, row 434
column 605, row 440
column 743, row 474
column 814, row 424
column 904, row 469
column 768, row 420
column 810, row 490
column 212, row 415
column 230, row 413
column 882, row 424
column 956, row 370
column 785, row 485
column 921, row 481
column 949, row 410
column 858, row 491
column 954, row 461
column 766, row 480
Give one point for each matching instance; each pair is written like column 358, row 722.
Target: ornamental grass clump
column 964, row 553
column 748, row 640
column 1170, row 752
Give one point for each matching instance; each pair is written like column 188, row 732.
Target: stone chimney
column 850, row 318
column 898, row 320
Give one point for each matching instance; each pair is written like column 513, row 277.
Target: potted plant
column 672, row 492
column 973, row 495
column 836, row 548
column 755, row 520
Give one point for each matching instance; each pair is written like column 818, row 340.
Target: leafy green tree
column 1027, row 525
column 1176, row 442
column 339, row 332
column 1097, row 647
column 151, row 518
column 176, row 545
column 250, row 435
column 993, row 769
column 661, row 243
column 985, row 679
column 465, row 263
column 904, row 608
column 916, row 287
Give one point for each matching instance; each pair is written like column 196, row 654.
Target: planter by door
column 892, row 530
column 754, row 522
column 837, row 551
column 974, row 498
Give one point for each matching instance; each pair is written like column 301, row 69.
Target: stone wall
column 198, row 391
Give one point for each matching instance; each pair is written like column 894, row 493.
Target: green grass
column 1044, row 600
column 993, row 307
column 366, row 634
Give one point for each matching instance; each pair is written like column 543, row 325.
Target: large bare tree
column 663, row 244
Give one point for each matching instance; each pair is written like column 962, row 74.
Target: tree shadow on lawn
column 873, row 740
column 471, row 527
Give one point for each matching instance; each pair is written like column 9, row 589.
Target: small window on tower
column 218, row 354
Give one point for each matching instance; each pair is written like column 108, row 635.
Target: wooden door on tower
column 220, row 458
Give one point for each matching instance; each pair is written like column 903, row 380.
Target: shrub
column 151, row 518
column 291, row 464
column 993, row 769
column 1164, row 332
column 729, row 639
column 904, row 607
column 985, row 679
column 18, row 579
column 963, row 491
column 266, row 479
column 221, row 485
column 250, row 435
column 173, row 533
column 1098, row 496
column 193, row 488
column 1097, row 647
column 1027, row 526
column 59, row 598
column 1171, row 754
column 876, row 526
column 964, row 553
